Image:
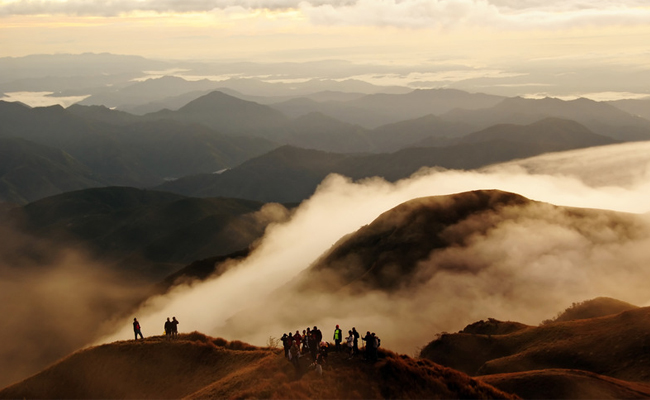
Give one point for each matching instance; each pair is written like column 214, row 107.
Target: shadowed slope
column 196, row 366
column 567, row 384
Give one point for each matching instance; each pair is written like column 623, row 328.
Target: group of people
column 311, row 342
column 171, row 328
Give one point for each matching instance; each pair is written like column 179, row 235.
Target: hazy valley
column 247, row 208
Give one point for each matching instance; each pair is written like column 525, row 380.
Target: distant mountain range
column 290, row 174
column 219, row 132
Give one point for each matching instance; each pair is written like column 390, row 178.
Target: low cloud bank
column 531, row 266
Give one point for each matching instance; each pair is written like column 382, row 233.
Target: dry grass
column 199, row 367
column 567, row 384
column 615, row 346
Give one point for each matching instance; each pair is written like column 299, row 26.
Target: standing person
column 297, row 339
column 370, row 344
column 338, row 336
column 136, row 329
column 294, row 357
column 313, row 345
column 168, row 328
column 174, row 326
column 285, row 344
column 319, row 337
column 349, row 341
column 356, row 340
column 305, row 341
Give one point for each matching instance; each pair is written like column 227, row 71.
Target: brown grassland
column 199, row 367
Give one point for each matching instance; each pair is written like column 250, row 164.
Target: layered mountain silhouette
column 30, row 171
column 291, row 174
column 374, row 110
column 199, row 367
column 147, row 233
column 122, row 150
column 601, row 118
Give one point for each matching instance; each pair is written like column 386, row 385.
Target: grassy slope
column 614, row 345
column 567, row 384
column 197, row 366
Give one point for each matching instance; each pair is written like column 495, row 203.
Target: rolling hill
column 147, row 233
column 611, row 345
column 197, row 366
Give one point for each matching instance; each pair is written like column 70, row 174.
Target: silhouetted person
column 285, row 344
column 297, row 339
column 338, row 336
column 174, row 326
column 168, row 328
column 136, row 329
column 356, row 340
column 313, row 345
column 305, row 341
column 370, row 345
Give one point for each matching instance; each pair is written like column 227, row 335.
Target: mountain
column 427, row 131
column 551, row 134
column 195, row 366
column 638, row 107
column 290, row 174
column 148, row 233
column 148, row 91
column 122, row 149
column 229, row 115
column 318, row 131
column 601, row 118
column 287, row 174
column 374, row 110
column 30, row 171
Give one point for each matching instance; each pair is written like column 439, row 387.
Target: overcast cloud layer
column 407, row 13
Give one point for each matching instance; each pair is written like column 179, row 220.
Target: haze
column 596, row 49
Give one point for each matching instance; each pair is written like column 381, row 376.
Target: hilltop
column 556, row 359
column 201, row 367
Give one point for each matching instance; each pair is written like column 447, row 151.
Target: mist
column 534, row 263
column 54, row 300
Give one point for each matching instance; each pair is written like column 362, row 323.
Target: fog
column 53, row 300
column 533, row 263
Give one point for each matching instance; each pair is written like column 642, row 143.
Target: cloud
column 54, row 300
column 532, row 264
column 508, row 14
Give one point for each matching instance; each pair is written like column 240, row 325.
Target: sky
column 470, row 31
column 534, row 44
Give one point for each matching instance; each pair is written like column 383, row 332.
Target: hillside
column 30, row 171
column 197, row 366
column 613, row 345
column 148, row 233
column 566, row 384
column 127, row 150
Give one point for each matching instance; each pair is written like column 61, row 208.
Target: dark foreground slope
column 196, row 366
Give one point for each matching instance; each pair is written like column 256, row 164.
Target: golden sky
column 398, row 31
